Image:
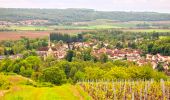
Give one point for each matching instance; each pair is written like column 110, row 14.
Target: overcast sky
column 102, row 5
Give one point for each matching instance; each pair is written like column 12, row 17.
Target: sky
column 99, row 5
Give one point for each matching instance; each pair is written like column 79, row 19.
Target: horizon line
column 89, row 9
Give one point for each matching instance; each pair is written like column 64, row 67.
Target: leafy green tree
column 1, row 50
column 160, row 67
column 103, row 58
column 79, row 76
column 70, row 55
column 35, row 62
column 94, row 73
column 29, row 53
column 87, row 55
column 26, row 72
column 73, row 72
column 54, row 75
column 18, row 47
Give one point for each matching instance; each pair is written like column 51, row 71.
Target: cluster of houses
column 115, row 54
column 51, row 50
column 135, row 56
column 156, row 59
column 129, row 54
column 33, row 22
column 25, row 22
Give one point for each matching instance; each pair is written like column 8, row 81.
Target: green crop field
column 30, row 28
column 164, row 37
column 147, row 30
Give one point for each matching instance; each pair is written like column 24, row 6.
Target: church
column 48, row 51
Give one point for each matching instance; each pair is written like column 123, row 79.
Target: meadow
column 146, row 30
column 28, row 28
column 21, row 90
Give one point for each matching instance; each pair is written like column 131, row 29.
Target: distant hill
column 77, row 15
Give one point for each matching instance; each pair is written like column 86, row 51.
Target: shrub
column 4, row 83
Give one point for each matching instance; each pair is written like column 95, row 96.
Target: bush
column 4, row 83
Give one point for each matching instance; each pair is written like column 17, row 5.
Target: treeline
column 19, row 46
column 60, row 72
column 56, row 16
column 65, row 37
column 161, row 46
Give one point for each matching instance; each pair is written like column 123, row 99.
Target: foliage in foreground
column 59, row 72
column 4, row 83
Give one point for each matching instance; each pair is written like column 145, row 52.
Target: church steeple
column 49, row 42
column 50, row 51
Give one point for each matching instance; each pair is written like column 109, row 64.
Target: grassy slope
column 19, row 91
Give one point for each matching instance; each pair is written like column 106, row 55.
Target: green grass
column 147, row 30
column 64, row 92
column 91, row 27
column 164, row 37
column 30, row 28
column 20, row 91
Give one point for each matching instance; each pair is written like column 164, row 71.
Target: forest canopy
column 77, row 15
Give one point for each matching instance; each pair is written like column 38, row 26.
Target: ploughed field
column 15, row 35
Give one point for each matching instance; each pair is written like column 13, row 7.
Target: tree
column 54, row 75
column 72, row 72
column 79, row 76
column 160, row 67
column 26, row 72
column 70, row 55
column 103, row 58
column 18, row 47
column 1, row 50
column 87, row 55
column 29, row 53
column 119, row 45
column 35, row 62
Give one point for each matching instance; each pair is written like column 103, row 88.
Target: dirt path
column 76, row 92
column 3, row 92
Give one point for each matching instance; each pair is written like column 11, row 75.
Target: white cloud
column 109, row 5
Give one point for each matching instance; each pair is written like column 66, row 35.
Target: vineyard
column 127, row 90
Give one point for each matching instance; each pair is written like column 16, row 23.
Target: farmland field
column 30, row 28
column 146, row 30
column 15, row 35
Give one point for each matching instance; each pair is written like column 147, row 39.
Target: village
column 128, row 54
column 59, row 51
column 25, row 22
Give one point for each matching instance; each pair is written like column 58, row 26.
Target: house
column 154, row 64
column 2, row 57
column 142, row 62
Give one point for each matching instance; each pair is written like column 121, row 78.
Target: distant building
column 51, row 51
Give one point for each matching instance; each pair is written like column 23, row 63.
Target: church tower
column 50, row 51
